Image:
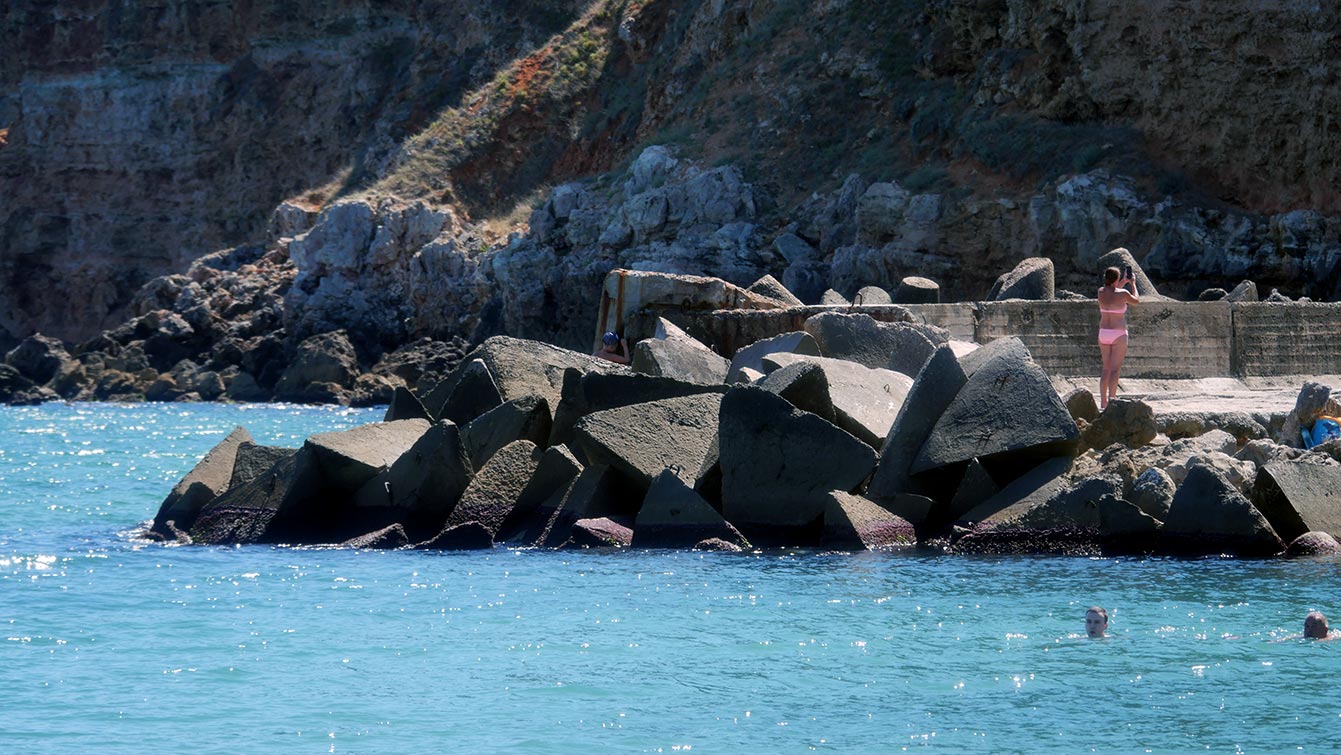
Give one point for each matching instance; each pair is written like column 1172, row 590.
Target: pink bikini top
column 1114, row 311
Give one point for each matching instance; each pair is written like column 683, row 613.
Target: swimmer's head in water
column 1315, row 626
column 1096, row 622
column 610, row 338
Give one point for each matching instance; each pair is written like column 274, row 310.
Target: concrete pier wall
column 1168, row 339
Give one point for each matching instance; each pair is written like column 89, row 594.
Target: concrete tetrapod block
column 865, row 401
column 1088, row 518
column 976, row 487
column 772, row 289
column 389, row 537
column 852, row 522
column 252, row 461
column 553, row 475
column 643, row 439
column 804, row 386
column 594, row 392
column 917, row 290
column 674, row 516
column 205, row 481
column 779, row 463
column 492, row 494
column 470, row 391
column 1209, row 516
column 247, row 514
column 422, row 487
column 752, row 356
column 526, row 418
column 1298, row 497
column 471, row 536
column 406, row 405
column 1032, row 279
column 1036, row 485
column 1007, row 415
column 530, row 368
column 597, row 492
column 1120, row 257
column 351, row 457
column 680, row 357
column 932, row 391
column 862, row 339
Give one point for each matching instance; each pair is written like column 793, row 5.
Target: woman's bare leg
column 1119, row 353
column 1106, row 352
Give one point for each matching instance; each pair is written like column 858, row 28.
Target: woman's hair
column 1111, row 275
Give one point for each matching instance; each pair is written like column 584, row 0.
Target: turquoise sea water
column 109, row 644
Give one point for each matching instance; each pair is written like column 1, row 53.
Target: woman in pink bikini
column 1113, row 301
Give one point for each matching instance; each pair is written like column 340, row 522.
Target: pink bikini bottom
column 1109, row 336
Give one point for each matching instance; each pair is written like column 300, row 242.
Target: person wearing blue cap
column 609, row 343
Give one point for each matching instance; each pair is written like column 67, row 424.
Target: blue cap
column 610, row 338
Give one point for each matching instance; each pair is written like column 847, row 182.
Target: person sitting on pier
column 609, row 343
column 1113, row 301
column 1096, row 622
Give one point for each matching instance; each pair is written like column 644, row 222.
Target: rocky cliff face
column 141, row 136
column 475, row 168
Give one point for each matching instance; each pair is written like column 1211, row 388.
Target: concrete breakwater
column 1169, row 339
column 849, row 434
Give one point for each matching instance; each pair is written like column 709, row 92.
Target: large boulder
column 492, row 494
column 1127, row 421
column 676, row 354
column 421, row 487
column 674, row 516
column 209, row 478
column 872, row 296
column 1087, row 517
column 1032, row 279
column 40, row 358
column 852, row 522
column 1209, row 516
column 865, row 401
column 975, row 488
column 1313, row 401
column 1007, row 415
column 1298, row 497
column 779, row 463
column 325, row 365
column 601, row 532
column 642, row 440
column 1313, row 544
column 1081, row 404
column 805, row 387
column 1153, row 492
column 931, row 393
column 585, row 393
column 752, row 356
column 526, row 418
column 862, row 339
